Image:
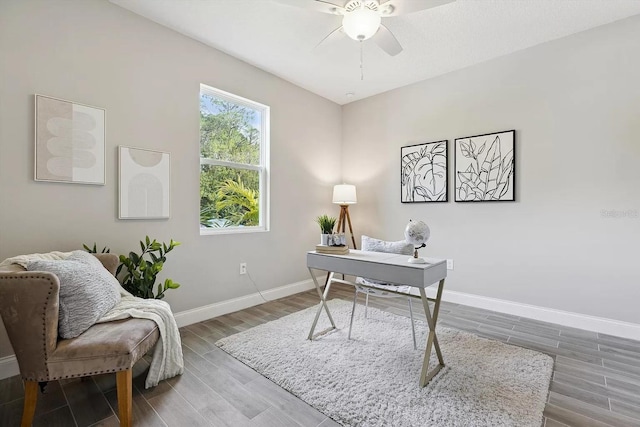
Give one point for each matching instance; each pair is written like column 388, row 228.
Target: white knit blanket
column 167, row 359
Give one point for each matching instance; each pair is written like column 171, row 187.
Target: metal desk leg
column 432, row 339
column 323, row 303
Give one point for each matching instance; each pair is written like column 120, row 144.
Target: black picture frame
column 485, row 167
column 424, row 174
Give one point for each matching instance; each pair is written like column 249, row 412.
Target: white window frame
column 262, row 169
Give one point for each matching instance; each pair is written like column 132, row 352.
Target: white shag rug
column 372, row 379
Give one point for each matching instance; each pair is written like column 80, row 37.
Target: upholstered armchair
column 29, row 304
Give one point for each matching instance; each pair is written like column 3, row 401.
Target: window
column 234, row 163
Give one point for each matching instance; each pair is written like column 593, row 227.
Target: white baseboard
column 9, row 364
column 210, row 311
column 559, row 317
column 8, row 367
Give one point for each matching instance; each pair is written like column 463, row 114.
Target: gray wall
column 575, row 105
column 147, row 77
column 573, row 102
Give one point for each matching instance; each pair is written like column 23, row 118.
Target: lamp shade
column 344, row 194
column 361, row 24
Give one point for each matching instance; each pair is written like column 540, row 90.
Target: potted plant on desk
column 326, row 224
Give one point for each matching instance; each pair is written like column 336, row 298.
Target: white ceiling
column 280, row 39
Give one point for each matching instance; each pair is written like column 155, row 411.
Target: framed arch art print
column 145, row 183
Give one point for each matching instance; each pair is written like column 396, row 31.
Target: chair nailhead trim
column 44, row 322
column 106, row 371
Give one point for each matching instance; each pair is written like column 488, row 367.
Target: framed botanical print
column 485, row 167
column 423, row 172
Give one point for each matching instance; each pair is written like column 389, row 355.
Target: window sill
column 231, row 230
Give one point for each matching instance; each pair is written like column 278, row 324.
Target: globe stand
column 415, row 259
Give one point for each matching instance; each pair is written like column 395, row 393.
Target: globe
column 417, row 233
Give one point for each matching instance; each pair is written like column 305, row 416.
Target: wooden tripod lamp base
column 345, row 195
column 343, row 219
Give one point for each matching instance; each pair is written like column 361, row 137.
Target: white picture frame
column 69, row 142
column 144, row 184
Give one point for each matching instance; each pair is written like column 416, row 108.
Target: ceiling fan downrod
column 361, row 66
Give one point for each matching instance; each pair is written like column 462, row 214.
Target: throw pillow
column 87, row 291
column 376, row 245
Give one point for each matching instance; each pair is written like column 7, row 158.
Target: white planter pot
column 324, row 239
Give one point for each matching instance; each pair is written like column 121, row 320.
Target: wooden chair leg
column 30, row 399
column 124, row 387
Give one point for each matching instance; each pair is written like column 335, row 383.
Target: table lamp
column 417, row 233
column 345, row 195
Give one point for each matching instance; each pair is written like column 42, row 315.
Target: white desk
column 389, row 268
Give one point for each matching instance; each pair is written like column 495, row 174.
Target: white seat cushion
column 381, row 289
column 376, row 245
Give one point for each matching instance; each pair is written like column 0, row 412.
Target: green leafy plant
column 141, row 274
column 242, row 202
column 94, row 249
column 207, row 215
column 326, row 223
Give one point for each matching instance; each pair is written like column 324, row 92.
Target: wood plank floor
column 596, row 377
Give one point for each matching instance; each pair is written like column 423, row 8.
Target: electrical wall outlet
column 243, row 268
column 449, row 264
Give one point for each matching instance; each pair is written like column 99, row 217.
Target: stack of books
column 334, row 250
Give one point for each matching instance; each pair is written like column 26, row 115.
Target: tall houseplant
column 141, row 274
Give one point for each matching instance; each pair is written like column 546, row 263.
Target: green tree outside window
column 230, row 163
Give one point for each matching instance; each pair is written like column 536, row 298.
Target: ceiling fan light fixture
column 361, row 23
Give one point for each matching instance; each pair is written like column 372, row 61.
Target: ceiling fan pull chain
column 361, row 67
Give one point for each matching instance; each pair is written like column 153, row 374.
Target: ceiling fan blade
column 387, row 41
column 403, row 7
column 333, row 7
column 334, row 35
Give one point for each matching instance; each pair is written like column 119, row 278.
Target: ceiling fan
column 362, row 19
